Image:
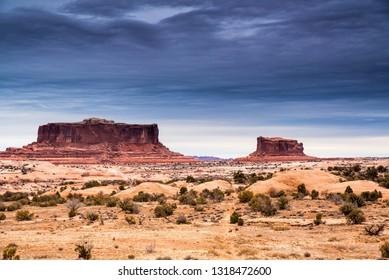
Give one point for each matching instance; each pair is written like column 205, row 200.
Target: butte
column 277, row 149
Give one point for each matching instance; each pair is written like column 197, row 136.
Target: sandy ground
column 290, row 234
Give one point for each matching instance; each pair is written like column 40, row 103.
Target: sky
column 214, row 75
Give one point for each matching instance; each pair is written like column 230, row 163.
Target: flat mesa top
column 275, row 138
column 98, row 121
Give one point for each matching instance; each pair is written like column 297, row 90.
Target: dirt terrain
column 207, row 233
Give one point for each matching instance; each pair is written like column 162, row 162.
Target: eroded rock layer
column 277, row 149
column 96, row 141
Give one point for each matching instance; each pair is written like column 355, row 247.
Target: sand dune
column 221, row 184
column 313, row 179
column 148, row 187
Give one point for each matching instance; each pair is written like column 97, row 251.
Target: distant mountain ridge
column 210, row 158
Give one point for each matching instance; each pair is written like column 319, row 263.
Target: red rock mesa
column 96, row 141
column 277, row 149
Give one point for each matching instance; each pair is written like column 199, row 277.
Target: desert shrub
column 99, row 199
column 234, row 217
column 84, row 250
column 199, row 208
column 384, row 248
column 348, row 190
column 91, row 184
column 146, row 197
column 188, row 198
column 335, row 198
column 77, row 196
column 240, row 222
column 128, row 206
column 190, row 179
column 201, row 200
column 346, row 208
column 92, row 216
column 9, row 252
column 14, row 206
column 24, row 215
column 130, row 220
column 228, row 192
column 112, row 201
column 374, row 229
column 245, row 196
column 239, row 177
column 318, row 219
column 253, row 178
column 283, row 203
column 122, row 188
column 164, row 210
column 183, row 190
column 47, row 200
column 217, row 195
column 73, row 204
column 356, row 216
column 262, row 203
column 302, row 191
column 13, row 196
column 181, row 219
column 274, row 193
column 314, row 194
column 371, row 196
column 2, row 207
column 72, row 213
column 355, row 199
column 2, row 216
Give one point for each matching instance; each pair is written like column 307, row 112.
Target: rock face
column 277, row 149
column 96, row 141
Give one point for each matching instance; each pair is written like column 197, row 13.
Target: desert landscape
column 189, row 209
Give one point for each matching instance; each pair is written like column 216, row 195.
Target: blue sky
column 213, row 74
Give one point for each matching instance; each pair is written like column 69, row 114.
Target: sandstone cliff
column 96, row 141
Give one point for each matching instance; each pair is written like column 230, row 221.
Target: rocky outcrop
column 277, row 149
column 96, row 141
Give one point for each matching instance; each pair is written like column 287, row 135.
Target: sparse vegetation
column 314, row 194
column 84, row 250
column 73, row 204
column 91, row 184
column 47, row 200
column 129, row 207
column 24, row 215
column 240, row 222
column 374, row 229
column 92, row 216
column 234, row 218
column 318, row 219
column 245, row 196
column 262, row 203
column 164, row 210
column 181, row 219
column 2, row 216
column 130, row 220
column 384, row 248
column 356, row 216
column 283, row 203
column 9, row 252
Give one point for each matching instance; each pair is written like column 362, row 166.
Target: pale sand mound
column 148, row 187
column 313, row 179
column 221, row 184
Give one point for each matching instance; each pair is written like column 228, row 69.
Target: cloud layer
column 236, row 63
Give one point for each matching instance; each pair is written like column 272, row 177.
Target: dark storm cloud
column 216, row 55
column 24, row 28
